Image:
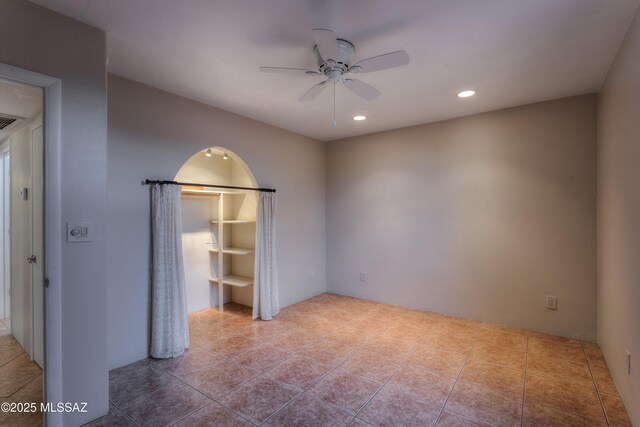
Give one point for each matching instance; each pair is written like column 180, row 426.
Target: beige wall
column 479, row 217
column 151, row 135
column 619, row 219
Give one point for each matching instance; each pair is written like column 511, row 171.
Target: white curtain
column 169, row 325
column 265, row 281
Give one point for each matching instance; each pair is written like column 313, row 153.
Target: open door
column 37, row 245
column 6, row 236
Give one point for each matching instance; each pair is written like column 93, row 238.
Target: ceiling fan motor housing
column 334, row 68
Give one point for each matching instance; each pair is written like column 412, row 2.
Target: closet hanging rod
column 230, row 187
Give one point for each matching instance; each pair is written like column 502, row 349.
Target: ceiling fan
column 335, row 58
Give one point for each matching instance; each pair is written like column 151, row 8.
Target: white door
column 2, row 219
column 37, row 244
column 6, row 227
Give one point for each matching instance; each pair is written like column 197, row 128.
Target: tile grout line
column 178, row 379
column 212, row 400
column 466, row 360
column 317, row 380
column 174, row 422
column 390, row 376
column 595, row 385
column 26, row 384
column 264, row 375
column 14, row 358
column 384, row 383
column 334, row 369
column 524, row 385
column 357, row 349
column 122, row 412
column 282, row 407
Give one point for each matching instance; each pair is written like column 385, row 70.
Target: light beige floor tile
column 392, row 347
column 298, row 371
column 537, row 415
column 500, row 378
column 166, row 405
column 437, row 360
column 451, row 419
column 494, row 353
column 348, row 392
column 567, row 396
column 390, row 408
column 558, row 368
column 615, row 410
column 423, row 383
column 213, row 415
column 370, row 365
column 261, row 357
column 258, row 398
column 449, row 342
column 556, row 348
column 220, row 379
column 480, row 403
column 308, row 411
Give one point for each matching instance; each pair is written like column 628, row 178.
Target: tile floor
column 338, row 361
column 20, row 380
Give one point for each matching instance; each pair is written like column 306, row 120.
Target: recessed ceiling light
column 359, row 118
column 466, row 93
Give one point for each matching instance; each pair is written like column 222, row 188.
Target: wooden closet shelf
column 233, row 280
column 234, row 251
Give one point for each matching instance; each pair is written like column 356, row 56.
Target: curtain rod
column 230, row 187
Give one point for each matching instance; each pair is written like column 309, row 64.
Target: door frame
column 53, row 230
column 5, row 239
column 36, row 123
column 6, row 228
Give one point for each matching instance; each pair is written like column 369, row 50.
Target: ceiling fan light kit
column 335, row 59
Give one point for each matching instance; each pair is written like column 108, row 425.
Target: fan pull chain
column 334, row 104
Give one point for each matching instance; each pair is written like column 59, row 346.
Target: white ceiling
column 511, row 52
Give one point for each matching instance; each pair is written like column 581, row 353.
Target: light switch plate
column 78, row 231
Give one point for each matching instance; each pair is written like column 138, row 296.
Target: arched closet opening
column 218, row 230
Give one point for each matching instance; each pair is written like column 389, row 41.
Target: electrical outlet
column 628, row 362
column 363, row 277
column 552, row 302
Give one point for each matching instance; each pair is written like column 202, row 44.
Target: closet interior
column 218, row 230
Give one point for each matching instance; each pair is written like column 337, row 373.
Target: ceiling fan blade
column 327, row 43
column 313, row 92
column 362, row 89
column 381, row 62
column 284, row 70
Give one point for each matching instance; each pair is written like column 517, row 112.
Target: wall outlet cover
column 552, row 302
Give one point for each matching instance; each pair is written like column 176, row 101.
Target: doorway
column 22, row 341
